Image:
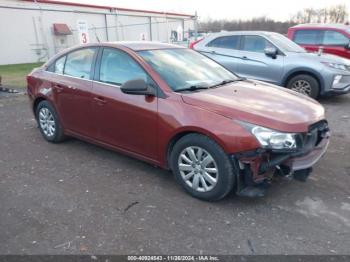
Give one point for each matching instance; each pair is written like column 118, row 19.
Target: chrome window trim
column 89, row 80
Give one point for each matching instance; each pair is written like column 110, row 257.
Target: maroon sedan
column 177, row 109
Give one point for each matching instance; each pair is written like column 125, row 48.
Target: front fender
column 227, row 133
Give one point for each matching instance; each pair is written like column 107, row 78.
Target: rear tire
column 206, row 170
column 49, row 123
column 304, row 84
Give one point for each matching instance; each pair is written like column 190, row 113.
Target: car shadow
column 166, row 178
column 335, row 99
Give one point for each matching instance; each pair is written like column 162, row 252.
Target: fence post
column 150, row 28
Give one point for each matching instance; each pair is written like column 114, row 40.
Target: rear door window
column 79, row 63
column 117, row 67
column 334, row 38
column 255, row 43
column 229, row 42
column 59, row 65
column 307, row 37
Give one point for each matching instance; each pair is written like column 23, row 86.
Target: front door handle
column 244, row 57
column 59, row 88
column 100, row 100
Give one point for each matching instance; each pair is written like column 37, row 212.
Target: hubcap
column 198, row 169
column 47, row 122
column 302, row 86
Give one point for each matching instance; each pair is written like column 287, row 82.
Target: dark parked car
column 331, row 38
column 177, row 109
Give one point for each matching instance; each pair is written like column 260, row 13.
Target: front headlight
column 272, row 139
column 337, row 66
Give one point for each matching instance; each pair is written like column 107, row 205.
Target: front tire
column 48, row 122
column 202, row 167
column 304, row 84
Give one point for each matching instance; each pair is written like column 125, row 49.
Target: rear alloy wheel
column 48, row 122
column 202, row 167
column 304, row 84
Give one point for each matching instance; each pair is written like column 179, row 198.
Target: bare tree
column 333, row 14
column 260, row 23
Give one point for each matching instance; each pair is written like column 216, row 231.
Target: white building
column 35, row 30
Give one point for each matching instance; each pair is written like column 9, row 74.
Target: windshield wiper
column 227, row 81
column 191, row 88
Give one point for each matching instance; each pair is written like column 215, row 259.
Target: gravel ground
column 77, row 198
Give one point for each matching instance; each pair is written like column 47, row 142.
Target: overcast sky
column 239, row 9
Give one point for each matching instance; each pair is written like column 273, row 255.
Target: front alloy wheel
column 302, row 87
column 198, row 169
column 202, row 167
column 304, row 84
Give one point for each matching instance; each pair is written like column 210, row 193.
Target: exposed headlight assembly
column 272, row 139
column 337, row 66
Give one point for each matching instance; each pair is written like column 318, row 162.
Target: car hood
column 323, row 58
column 259, row 103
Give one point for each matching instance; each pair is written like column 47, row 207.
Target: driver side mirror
column 137, row 87
column 271, row 52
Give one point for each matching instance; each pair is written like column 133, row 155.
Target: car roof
column 333, row 26
column 223, row 33
column 144, row 45
column 133, row 45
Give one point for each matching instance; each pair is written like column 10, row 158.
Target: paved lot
column 77, row 198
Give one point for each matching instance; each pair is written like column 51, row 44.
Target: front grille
column 321, row 125
column 316, row 133
column 345, row 79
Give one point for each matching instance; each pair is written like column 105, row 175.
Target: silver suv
column 273, row 58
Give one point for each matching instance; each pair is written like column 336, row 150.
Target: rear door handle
column 100, row 100
column 244, row 57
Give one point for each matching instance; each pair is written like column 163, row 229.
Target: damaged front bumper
column 308, row 160
column 260, row 166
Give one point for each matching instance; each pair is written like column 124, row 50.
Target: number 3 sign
column 83, row 31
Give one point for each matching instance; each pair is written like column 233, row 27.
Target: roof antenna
column 97, row 38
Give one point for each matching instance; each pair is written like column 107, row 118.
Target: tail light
column 192, row 44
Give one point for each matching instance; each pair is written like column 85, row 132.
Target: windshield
column 285, row 44
column 184, row 68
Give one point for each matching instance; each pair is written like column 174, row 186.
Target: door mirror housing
column 137, row 87
column 271, row 52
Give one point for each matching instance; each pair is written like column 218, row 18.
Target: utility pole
column 195, row 26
